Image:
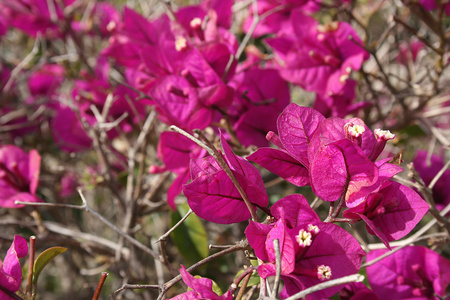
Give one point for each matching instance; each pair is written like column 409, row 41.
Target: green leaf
column 254, row 278
column 43, row 259
column 190, row 237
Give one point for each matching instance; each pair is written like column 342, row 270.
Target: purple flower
column 68, row 132
column 261, row 95
column 391, row 212
column 200, row 288
column 35, row 16
column 213, row 196
column 427, row 169
column 311, row 251
column 19, row 176
column 10, row 270
column 318, row 57
column 414, row 272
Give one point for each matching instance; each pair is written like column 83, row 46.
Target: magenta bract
column 202, row 288
column 213, row 196
column 390, row 213
column 414, row 272
column 10, row 270
column 19, row 175
column 311, row 251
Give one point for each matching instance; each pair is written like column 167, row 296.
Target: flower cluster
column 337, row 157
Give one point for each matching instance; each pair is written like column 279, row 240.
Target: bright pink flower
column 318, row 57
column 427, row 170
column 44, row 84
column 35, row 16
column 10, row 270
column 390, row 212
column 201, row 288
column 212, row 188
column 296, row 126
column 68, row 132
column 19, row 175
column 414, row 272
column 261, row 95
column 311, row 251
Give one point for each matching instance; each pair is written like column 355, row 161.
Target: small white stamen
column 313, row 228
column 180, row 43
column 323, row 272
column 304, row 238
column 383, row 134
column 356, row 130
column 111, row 26
column 195, row 23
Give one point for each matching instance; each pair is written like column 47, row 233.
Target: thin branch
column 276, row 284
column 165, row 235
column 135, row 287
column 243, row 245
column 86, row 207
column 31, row 253
column 327, row 284
column 100, row 286
column 206, row 144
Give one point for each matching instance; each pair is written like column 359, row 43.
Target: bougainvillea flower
column 391, row 212
column 68, row 132
column 414, row 272
column 213, row 196
column 176, row 151
column 19, row 175
column 200, row 288
column 45, row 82
column 319, row 58
column 10, row 270
column 311, row 251
column 427, row 169
column 339, row 104
column 35, row 16
column 261, row 95
column 296, row 126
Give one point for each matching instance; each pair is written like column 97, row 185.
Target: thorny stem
column 165, row 235
column 32, row 251
column 243, row 286
column 249, row 34
column 86, row 207
column 100, row 286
